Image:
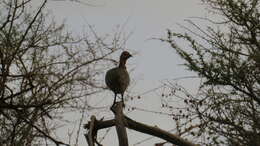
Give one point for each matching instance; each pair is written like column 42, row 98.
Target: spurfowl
column 117, row 79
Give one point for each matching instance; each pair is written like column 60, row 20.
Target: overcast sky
column 155, row 61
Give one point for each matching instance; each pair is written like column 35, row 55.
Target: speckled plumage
column 117, row 79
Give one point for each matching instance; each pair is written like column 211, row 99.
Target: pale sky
column 155, row 61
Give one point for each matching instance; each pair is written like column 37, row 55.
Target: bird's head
column 125, row 55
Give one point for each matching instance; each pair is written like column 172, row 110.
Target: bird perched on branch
column 117, row 79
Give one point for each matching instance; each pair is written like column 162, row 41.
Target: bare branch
column 129, row 123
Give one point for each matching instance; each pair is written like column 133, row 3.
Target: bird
column 117, row 79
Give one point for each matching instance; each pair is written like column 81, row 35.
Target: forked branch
column 121, row 121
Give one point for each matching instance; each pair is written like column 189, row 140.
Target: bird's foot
column 117, row 103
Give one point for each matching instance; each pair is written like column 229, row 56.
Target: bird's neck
column 122, row 63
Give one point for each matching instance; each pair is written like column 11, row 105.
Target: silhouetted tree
column 226, row 56
column 44, row 72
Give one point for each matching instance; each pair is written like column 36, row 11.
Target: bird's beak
column 130, row 56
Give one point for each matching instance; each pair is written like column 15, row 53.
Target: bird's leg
column 114, row 100
column 122, row 95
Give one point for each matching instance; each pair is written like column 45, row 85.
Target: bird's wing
column 112, row 78
column 117, row 80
